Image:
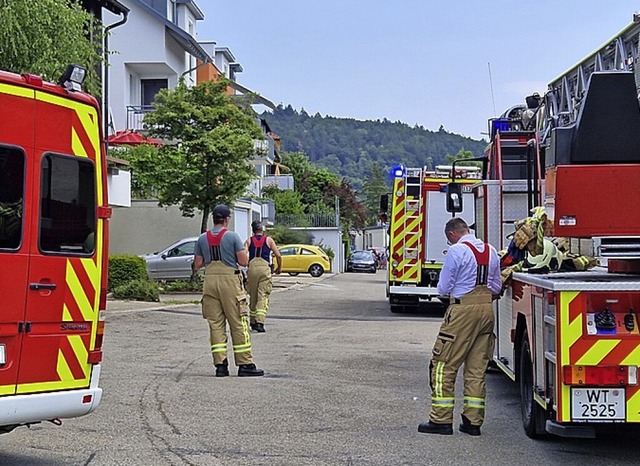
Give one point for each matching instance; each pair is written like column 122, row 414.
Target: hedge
column 124, row 268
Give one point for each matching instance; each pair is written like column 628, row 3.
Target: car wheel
column 316, row 270
column 294, row 274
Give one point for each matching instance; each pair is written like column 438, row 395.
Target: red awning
column 132, row 138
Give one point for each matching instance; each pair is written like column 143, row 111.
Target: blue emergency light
column 398, row 172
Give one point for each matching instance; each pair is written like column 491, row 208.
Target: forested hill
column 348, row 147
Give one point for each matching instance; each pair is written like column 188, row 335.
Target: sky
column 454, row 63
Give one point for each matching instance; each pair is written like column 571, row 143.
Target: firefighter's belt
column 473, row 300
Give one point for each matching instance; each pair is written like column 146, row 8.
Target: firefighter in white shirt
column 470, row 276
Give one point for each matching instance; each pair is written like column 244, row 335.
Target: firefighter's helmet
column 549, row 260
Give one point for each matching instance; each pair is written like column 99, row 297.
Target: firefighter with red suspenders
column 259, row 284
column 471, row 278
column 224, row 300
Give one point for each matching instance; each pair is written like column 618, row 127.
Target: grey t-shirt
column 229, row 245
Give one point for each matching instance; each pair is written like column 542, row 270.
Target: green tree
column 211, row 162
column 44, row 36
column 463, row 154
column 353, row 213
column 287, row 201
column 373, row 187
column 147, row 174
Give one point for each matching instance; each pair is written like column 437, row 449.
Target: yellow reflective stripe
column 474, row 402
column 244, row 345
column 597, row 352
column 245, row 329
column 261, row 312
column 219, row 348
column 235, row 351
column 443, row 402
column 437, row 383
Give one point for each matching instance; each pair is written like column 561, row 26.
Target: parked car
column 172, row 263
column 362, row 261
column 304, row 258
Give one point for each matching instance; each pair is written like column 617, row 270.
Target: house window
column 150, row 87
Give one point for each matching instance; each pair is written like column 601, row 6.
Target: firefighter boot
column 222, row 370
column 467, row 428
column 433, row 428
column 258, row 327
column 249, row 370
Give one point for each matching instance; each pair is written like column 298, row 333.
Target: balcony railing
column 307, row 220
column 135, row 116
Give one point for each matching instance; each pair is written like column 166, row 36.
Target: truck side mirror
column 454, row 197
column 384, row 203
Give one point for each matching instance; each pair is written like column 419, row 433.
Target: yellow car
column 304, row 258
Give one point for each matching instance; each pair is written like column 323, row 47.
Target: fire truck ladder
column 565, row 93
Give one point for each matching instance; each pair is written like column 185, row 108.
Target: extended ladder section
column 566, row 93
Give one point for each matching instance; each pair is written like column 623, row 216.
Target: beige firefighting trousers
column 259, row 286
column 465, row 337
column 224, row 300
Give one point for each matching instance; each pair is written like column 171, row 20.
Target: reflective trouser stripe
column 219, row 348
column 445, row 402
column 437, row 380
column 472, row 402
column 243, row 347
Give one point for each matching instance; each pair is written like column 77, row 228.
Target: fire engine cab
column 417, row 216
column 572, row 339
column 53, row 249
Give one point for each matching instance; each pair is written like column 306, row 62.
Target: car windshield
column 362, row 255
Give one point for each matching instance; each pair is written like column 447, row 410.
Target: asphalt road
column 345, row 384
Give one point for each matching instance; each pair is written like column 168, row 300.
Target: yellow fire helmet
column 549, row 261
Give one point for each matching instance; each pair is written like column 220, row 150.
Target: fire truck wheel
column 533, row 418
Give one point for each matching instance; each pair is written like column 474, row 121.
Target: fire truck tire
column 533, row 417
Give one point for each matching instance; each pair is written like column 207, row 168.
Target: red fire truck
column 53, row 249
column 571, row 339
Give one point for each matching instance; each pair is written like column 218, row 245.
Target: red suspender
column 482, row 259
column 214, row 244
column 258, row 243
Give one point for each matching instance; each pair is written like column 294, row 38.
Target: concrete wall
column 144, row 228
column 331, row 237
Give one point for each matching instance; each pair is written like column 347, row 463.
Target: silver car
column 172, row 263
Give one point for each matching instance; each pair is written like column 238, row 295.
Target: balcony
column 135, row 116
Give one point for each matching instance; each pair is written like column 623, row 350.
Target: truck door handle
column 42, row 286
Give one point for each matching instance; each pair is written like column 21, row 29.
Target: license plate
column 598, row 404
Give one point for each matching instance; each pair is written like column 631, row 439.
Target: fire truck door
column 64, row 273
column 14, row 260
column 16, row 143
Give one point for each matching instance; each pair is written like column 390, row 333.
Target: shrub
column 137, row 290
column 124, row 268
column 174, row 286
column 328, row 250
column 284, row 235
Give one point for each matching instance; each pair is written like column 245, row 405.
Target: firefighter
column 224, row 300
column 259, row 284
column 471, row 278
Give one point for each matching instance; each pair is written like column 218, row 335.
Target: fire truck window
column 67, row 205
column 11, row 195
